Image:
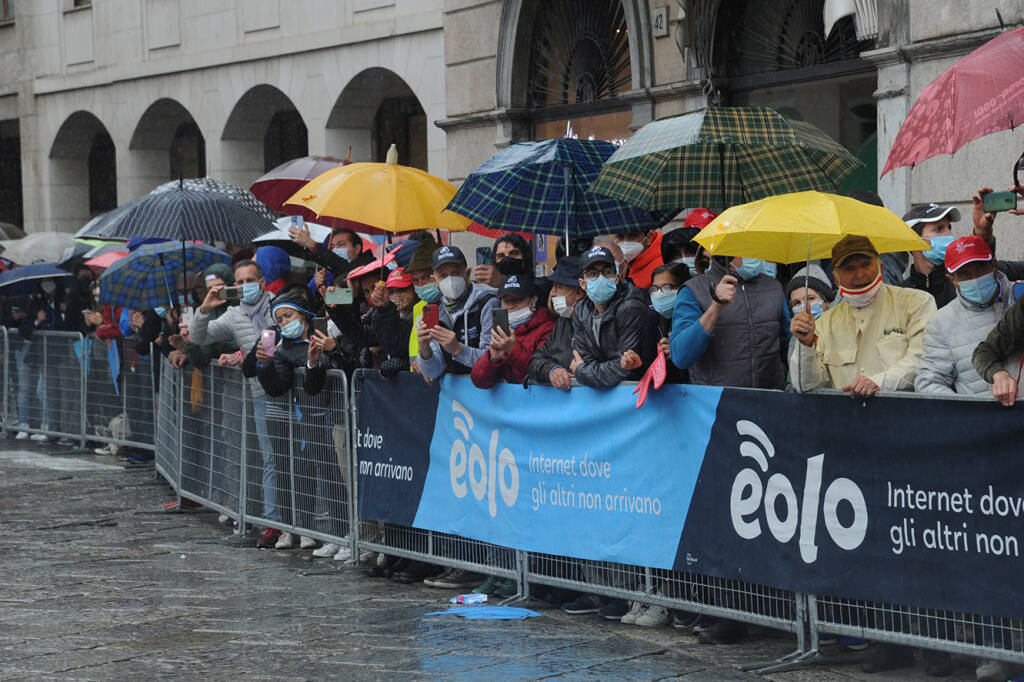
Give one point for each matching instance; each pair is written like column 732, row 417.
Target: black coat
column 556, row 351
column 657, row 328
column 622, row 329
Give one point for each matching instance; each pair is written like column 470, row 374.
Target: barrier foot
column 807, row 658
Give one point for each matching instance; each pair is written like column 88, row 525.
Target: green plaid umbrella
column 722, row 157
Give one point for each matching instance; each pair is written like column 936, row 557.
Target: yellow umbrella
column 385, row 196
column 788, row 228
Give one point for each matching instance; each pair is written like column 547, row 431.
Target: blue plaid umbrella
column 145, row 278
column 541, row 188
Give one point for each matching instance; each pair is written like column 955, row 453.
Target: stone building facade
column 101, row 100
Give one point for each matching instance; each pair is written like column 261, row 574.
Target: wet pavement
column 98, row 584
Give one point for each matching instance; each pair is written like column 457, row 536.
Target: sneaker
column 851, row 643
column 307, row 543
column 489, row 586
column 455, row 579
column 40, row 438
column 109, row 449
column 634, row 610
column 684, row 620
column 344, row 553
column 367, row 556
column 328, row 549
column 22, row 433
column 285, row 541
column 269, row 538
column 615, row 609
column 65, row 442
column 991, row 670
column 587, row 603
column 140, row 458
column 223, row 519
column 652, row 617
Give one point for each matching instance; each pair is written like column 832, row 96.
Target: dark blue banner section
column 394, row 425
column 909, row 500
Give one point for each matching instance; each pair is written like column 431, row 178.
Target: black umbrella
column 182, row 215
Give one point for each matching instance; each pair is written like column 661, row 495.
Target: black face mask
column 512, row 266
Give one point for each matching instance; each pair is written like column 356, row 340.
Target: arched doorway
column 574, row 65
column 776, row 53
column 263, row 130
column 166, row 144
column 83, row 171
column 375, row 110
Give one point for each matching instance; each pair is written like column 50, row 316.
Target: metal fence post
column 7, row 392
column 291, row 456
column 82, row 424
column 353, row 466
column 243, row 457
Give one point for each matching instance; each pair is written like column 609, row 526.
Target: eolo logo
column 749, row 495
column 485, row 475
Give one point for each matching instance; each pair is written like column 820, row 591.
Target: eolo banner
column 908, row 500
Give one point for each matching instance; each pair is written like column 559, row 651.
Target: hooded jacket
column 642, row 270
column 619, row 328
column 471, row 322
column 950, row 338
column 275, row 265
column 513, row 367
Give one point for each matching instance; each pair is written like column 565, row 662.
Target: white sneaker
column 993, row 670
column 635, row 609
column 22, row 434
column 285, row 541
column 344, row 554
column 329, row 549
column 223, row 519
column 366, row 557
column 110, row 449
column 39, row 437
column 307, row 543
column 652, row 617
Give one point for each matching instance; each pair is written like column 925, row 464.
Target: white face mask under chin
column 452, row 287
column 859, row 298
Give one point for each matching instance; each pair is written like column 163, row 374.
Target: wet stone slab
column 100, row 585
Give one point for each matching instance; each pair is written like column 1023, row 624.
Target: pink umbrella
column 983, row 93
column 105, row 260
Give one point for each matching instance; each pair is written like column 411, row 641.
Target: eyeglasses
column 663, row 289
column 591, row 275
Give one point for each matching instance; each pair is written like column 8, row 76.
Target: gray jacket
column 619, row 328
column 241, row 324
column 951, row 336
column 472, row 324
column 747, row 345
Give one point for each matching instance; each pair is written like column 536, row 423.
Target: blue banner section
column 584, row 478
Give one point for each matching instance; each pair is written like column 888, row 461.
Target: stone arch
column 518, row 20
column 263, row 130
column 83, row 171
column 166, row 144
column 375, row 109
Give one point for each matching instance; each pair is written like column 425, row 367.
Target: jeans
column 271, row 510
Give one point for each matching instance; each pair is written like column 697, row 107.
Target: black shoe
column 615, row 609
column 587, row 603
column 723, row 632
column 684, row 620
column 415, row 572
column 886, row 657
column 937, row 663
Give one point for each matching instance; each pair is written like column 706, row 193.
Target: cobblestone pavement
column 100, row 584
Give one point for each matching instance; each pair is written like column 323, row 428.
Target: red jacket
column 110, row 328
column 642, row 270
column 529, row 337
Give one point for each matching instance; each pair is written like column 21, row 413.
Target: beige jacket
column 881, row 341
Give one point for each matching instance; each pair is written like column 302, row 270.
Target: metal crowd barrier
column 289, row 463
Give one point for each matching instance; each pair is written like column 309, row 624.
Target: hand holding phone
column 499, row 320
column 268, row 341
column 484, row 256
column 338, row 296
column 320, row 325
column 232, row 295
column 994, row 202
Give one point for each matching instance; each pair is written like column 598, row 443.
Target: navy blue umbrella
column 24, row 280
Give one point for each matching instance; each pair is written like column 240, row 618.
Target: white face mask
column 518, row 317
column 561, row 306
column 631, row 250
column 452, row 287
column 859, row 298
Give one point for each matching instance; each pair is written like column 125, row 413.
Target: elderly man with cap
column 869, row 342
column 550, row 364
column 463, row 333
column 509, row 355
column 984, row 295
column 607, row 323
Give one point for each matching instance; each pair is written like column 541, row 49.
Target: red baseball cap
column 399, row 279
column 699, row 218
column 966, row 250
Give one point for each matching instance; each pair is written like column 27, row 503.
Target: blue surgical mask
column 768, row 268
column 751, row 268
column 817, row 308
column 690, row 262
column 293, row 329
column 341, row 252
column 602, row 289
column 428, row 292
column 251, row 292
column 937, row 254
column 160, row 312
column 664, row 304
column 979, row 290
